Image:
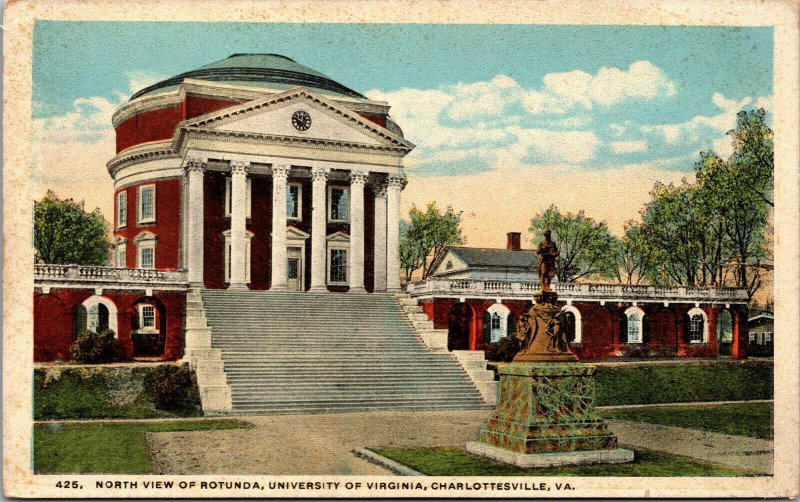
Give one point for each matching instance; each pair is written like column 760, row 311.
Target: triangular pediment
column 449, row 263
column 297, row 114
column 338, row 237
column 294, row 233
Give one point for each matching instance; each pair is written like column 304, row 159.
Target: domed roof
column 260, row 70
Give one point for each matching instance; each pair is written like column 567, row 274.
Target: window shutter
column 511, row 326
column 135, row 318
column 102, row 318
column 487, row 328
column 78, row 320
column 623, row 328
column 687, row 328
column 645, row 329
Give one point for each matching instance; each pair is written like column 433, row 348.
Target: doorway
column 294, row 268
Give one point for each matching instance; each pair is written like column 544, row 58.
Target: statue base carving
column 547, row 409
column 540, row 333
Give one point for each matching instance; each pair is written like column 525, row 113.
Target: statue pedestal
column 545, row 417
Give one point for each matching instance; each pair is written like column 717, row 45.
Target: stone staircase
column 316, row 353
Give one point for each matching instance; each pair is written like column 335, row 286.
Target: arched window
column 498, row 319
column 697, row 326
column 101, row 315
column 572, row 323
column 635, row 318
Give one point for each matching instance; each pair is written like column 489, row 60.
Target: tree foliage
column 636, row 257
column 426, row 236
column 64, row 233
column 586, row 247
column 714, row 231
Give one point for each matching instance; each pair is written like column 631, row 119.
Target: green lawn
column 110, row 448
column 747, row 419
column 456, row 462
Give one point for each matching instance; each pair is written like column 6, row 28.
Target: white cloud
column 642, row 80
column 628, row 146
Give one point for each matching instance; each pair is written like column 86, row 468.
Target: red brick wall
column 194, row 106
column 148, row 126
column 53, row 320
column 166, row 226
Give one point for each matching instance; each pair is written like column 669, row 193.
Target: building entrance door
column 294, row 268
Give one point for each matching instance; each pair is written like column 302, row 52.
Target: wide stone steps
column 318, row 353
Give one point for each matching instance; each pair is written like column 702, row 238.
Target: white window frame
column 140, row 219
column 767, row 337
column 502, row 312
column 578, row 328
column 346, row 190
column 145, row 240
column 121, row 251
column 229, row 196
column 299, row 187
column 752, row 337
column 122, row 209
column 338, row 241
column 142, row 327
column 698, row 311
column 227, row 235
column 639, row 324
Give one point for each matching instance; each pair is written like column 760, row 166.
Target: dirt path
column 323, row 444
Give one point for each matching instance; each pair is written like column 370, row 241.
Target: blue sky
column 483, row 103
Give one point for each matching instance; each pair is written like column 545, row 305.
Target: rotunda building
column 258, row 172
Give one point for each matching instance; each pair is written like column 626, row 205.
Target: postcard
column 388, row 249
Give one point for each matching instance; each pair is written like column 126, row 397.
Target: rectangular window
column 122, row 209
column 229, row 197
column 338, row 203
column 752, row 337
column 294, row 199
column 634, row 325
column 147, row 204
column 767, row 338
column 696, row 329
column 147, row 256
column 338, row 266
column 148, row 316
column 121, row 255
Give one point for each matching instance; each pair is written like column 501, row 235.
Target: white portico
column 333, row 207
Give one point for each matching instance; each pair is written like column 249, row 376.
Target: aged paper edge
column 18, row 193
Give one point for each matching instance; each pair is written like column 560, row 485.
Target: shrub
column 95, row 348
column 503, row 351
column 174, row 389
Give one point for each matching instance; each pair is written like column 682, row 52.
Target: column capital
column 358, row 177
column 194, row 164
column 380, row 190
column 280, row 171
column 239, row 167
column 320, row 173
column 396, row 182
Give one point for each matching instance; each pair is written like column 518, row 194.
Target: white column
column 356, row 265
column 194, row 173
column 319, row 220
column 279, row 279
column 393, row 188
column 238, row 278
column 379, row 248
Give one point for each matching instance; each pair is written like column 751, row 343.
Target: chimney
column 513, row 241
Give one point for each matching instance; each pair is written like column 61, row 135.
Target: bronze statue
column 548, row 252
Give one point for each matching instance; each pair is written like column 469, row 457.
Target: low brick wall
column 155, row 390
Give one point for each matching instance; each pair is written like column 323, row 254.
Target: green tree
column 740, row 190
column 586, row 247
column 64, row 233
column 636, row 257
column 426, row 236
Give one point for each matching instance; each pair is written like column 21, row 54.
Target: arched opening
column 695, row 325
column 724, row 332
column 495, row 323
column 632, row 328
column 101, row 315
column 460, row 327
column 149, row 327
column 571, row 319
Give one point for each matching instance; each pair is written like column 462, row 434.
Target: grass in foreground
column 747, row 419
column 456, row 462
column 110, row 448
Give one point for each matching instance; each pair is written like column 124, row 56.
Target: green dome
column 267, row 70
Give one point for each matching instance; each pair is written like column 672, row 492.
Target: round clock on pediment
column 301, row 120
